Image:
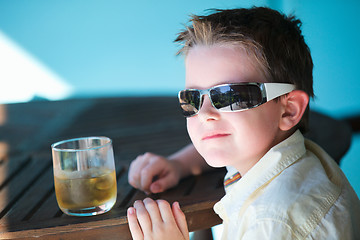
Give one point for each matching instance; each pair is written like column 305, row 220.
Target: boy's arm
column 190, row 161
column 153, row 173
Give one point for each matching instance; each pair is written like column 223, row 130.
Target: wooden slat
column 21, row 183
column 33, row 199
column 49, row 209
column 10, row 166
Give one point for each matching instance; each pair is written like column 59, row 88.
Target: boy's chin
column 216, row 159
column 216, row 163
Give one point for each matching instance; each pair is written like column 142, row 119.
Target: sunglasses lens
column 236, row 97
column 189, row 102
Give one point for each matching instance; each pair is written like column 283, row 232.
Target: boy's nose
column 207, row 111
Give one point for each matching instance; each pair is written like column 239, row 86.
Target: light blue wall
column 114, row 47
column 105, row 47
column 331, row 30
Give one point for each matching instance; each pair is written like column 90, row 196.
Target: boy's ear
column 294, row 105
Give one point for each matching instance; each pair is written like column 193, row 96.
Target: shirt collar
column 271, row 164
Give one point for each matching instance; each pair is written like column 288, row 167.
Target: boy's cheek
column 193, row 131
column 191, row 128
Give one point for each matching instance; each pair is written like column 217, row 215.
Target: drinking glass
column 84, row 175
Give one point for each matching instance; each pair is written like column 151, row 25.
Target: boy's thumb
column 161, row 185
column 156, row 187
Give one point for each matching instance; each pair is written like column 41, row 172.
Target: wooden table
column 28, row 208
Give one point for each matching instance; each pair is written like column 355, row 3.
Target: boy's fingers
column 143, row 217
column 180, row 219
column 153, row 210
column 163, row 183
column 165, row 211
column 134, row 176
column 157, row 187
column 148, row 173
column 135, row 229
column 167, row 178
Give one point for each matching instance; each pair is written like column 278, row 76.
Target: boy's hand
column 152, row 173
column 156, row 220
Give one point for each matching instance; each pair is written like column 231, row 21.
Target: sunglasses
column 232, row 97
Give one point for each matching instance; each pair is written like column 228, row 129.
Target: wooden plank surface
column 28, row 207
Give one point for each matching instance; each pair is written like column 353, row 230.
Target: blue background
column 117, row 48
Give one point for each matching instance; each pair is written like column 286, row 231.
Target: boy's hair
column 272, row 39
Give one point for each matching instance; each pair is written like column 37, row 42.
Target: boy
column 248, row 83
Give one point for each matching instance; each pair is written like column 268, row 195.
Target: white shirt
column 295, row 191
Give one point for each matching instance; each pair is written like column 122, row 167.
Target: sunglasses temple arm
column 274, row 90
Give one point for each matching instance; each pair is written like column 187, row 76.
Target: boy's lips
column 215, row 135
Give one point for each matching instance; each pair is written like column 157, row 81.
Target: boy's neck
column 283, row 135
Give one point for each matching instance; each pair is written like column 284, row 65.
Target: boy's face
column 237, row 139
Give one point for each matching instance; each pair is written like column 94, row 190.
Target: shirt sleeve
column 268, row 229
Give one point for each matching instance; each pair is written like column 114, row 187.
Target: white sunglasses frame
column 269, row 91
